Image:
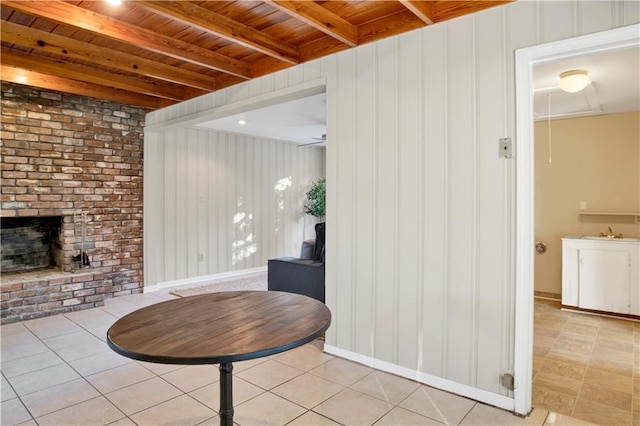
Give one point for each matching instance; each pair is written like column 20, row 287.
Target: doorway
column 226, row 201
column 525, row 60
column 586, row 165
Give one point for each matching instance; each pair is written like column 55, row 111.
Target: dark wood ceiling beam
column 226, row 80
column 444, row 10
column 313, row 50
column 66, row 85
column 320, row 18
column 31, row 62
column 268, row 65
column 397, row 23
column 122, row 31
column 422, row 9
column 66, row 47
column 221, row 26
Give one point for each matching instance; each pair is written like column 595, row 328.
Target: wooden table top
column 219, row 327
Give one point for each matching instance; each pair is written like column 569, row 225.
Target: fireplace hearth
column 45, row 268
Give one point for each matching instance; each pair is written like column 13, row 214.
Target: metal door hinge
column 505, row 148
column 507, row 381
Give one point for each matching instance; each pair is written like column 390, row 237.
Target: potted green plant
column 315, row 204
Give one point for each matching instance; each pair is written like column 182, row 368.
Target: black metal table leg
column 226, row 394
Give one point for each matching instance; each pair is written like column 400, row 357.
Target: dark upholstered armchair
column 304, row 275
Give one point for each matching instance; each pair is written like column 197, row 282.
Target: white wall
column 420, row 223
column 221, row 202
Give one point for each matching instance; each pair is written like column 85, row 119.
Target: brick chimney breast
column 70, row 157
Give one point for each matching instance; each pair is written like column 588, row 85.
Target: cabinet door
column 604, row 280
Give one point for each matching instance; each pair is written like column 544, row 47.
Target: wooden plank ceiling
column 157, row 53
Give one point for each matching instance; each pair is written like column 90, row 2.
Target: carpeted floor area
column 251, row 282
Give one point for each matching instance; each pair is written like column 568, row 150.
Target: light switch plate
column 505, row 148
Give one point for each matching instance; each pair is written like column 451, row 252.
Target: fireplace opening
column 29, row 243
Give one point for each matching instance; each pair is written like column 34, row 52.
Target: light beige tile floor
column 586, row 366
column 59, row 371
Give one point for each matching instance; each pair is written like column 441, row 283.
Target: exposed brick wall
column 36, row 294
column 63, row 155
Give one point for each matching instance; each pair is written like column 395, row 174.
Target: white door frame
column 526, row 58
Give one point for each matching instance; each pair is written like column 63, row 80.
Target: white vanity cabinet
column 601, row 274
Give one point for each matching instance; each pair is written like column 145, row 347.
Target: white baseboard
column 203, row 279
column 484, row 396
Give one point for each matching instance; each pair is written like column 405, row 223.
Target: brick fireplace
column 71, row 199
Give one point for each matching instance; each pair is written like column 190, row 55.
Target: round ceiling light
column 574, row 81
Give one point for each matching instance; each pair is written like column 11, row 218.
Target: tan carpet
column 250, row 282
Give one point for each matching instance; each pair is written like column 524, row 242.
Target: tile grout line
column 582, row 383
column 467, row 415
column 100, row 394
column 323, row 401
column 18, row 398
column 289, row 380
column 311, row 411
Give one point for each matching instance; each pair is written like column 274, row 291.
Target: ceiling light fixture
column 574, row 81
column 114, row 2
column 242, row 122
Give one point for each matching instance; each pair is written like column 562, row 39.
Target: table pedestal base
column 226, row 394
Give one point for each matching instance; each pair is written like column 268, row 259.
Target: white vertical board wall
column 222, row 202
column 420, row 221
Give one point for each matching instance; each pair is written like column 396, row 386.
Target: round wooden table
column 219, row 328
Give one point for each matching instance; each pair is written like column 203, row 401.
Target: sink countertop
column 598, row 238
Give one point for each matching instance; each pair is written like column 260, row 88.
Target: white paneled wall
column 420, row 237
column 219, row 202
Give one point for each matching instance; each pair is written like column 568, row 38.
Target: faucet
column 610, row 234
